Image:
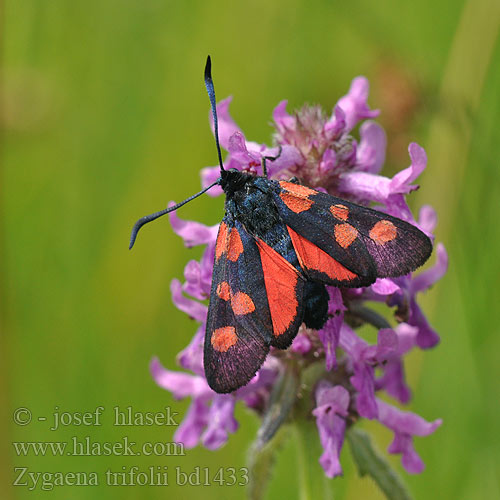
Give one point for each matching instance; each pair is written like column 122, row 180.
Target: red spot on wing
column 242, row 304
column 340, row 212
column 383, row 231
column 345, row 234
column 224, row 338
column 221, row 244
column 312, row 257
column 224, row 290
column 235, row 245
column 280, row 279
column 297, row 189
column 295, row 203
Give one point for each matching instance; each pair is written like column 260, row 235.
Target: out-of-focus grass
column 105, row 119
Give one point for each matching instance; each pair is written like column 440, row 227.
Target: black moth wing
column 239, row 325
column 235, row 345
column 315, row 223
column 396, row 246
column 367, row 242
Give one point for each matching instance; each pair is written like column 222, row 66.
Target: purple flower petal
column 207, row 264
column 427, row 278
column 221, row 421
column 393, row 381
column 384, row 286
column 365, row 186
column 193, row 285
column 354, row 103
column 193, row 233
column 191, row 357
column 427, row 219
column 405, row 425
column 362, row 357
column 336, row 302
column 370, row 187
column 427, row 336
column 353, row 345
column 289, row 158
column 190, row 430
column 208, row 176
column 179, row 384
column 239, row 152
column 400, row 183
column 227, row 126
column 403, row 444
column 331, row 398
column 335, row 126
column 397, row 206
column 329, row 336
column 192, row 308
column 301, row 344
column 282, row 119
column 328, row 162
column 387, row 344
column 332, row 404
column 407, row 337
column 405, row 422
column 371, row 150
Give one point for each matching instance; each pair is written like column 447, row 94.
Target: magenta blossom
column 325, row 154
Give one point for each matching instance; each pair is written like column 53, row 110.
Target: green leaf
column 370, row 462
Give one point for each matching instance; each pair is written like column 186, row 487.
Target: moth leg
column 270, row 158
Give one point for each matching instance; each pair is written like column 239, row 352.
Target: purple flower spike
column 326, row 153
column 330, row 412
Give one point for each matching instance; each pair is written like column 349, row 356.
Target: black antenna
column 148, row 218
column 152, row 217
column 211, row 94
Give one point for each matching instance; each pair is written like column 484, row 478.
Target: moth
column 278, row 245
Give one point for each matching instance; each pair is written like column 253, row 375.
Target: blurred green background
column 105, row 118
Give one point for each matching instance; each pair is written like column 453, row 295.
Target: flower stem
column 313, row 484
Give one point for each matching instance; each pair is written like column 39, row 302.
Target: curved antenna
column 152, row 217
column 209, row 84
